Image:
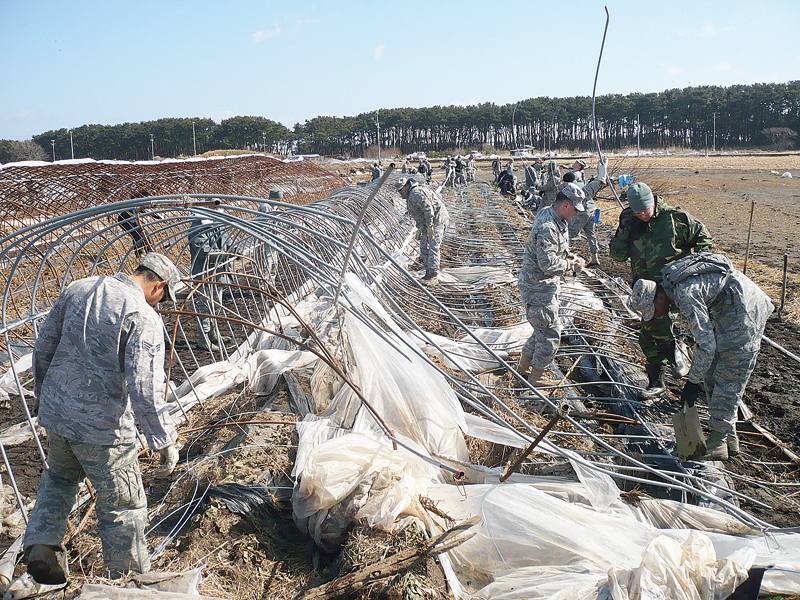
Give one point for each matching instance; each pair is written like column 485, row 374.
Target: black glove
column 690, row 393
column 627, row 219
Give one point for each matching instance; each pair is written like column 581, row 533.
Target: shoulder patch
column 151, row 349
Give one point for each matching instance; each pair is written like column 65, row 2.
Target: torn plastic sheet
column 357, row 477
column 411, row 396
column 532, row 544
column 478, row 276
column 8, row 383
column 465, row 355
column 261, row 368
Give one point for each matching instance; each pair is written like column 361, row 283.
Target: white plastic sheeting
column 536, row 544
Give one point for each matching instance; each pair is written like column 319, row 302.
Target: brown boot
column 537, row 378
column 717, row 446
column 733, row 444
column 524, row 364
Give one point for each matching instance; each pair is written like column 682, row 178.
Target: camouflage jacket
column 670, row 234
column 98, row 361
column 580, row 176
column 425, row 206
column 545, row 258
column 724, row 312
column 590, row 189
column 206, row 241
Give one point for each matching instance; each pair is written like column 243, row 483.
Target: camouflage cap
column 640, row 197
column 575, row 195
column 401, row 181
column 643, row 298
column 275, row 194
column 581, row 164
column 166, row 270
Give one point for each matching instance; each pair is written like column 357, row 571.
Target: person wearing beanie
column 726, row 313
column 544, row 262
column 652, row 235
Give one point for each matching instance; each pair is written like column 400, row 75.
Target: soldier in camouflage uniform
column 578, row 168
column 585, row 221
column 727, row 314
column 427, row 209
column 208, row 244
column 653, row 234
column 545, row 260
column 98, row 363
column 549, row 184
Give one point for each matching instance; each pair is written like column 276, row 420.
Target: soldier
column 376, row 172
column 545, row 260
column 98, row 363
column 578, row 167
column 726, row 313
column 531, row 176
column 450, row 172
column 496, row 169
column 653, row 234
column 460, row 167
column 549, row 184
column 429, row 213
column 585, row 221
column 274, row 194
column 429, row 169
column 208, row 243
column 471, row 169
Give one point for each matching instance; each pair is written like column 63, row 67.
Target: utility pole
column 53, row 144
column 194, row 138
column 714, row 136
column 152, row 148
column 378, row 125
column 513, row 131
column 264, row 145
column 71, row 147
column 638, row 135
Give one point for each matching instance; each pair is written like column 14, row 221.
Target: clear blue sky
column 66, row 64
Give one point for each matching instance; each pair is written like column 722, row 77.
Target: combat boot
column 47, row 564
column 733, row 444
column 537, row 378
column 431, row 277
column 207, row 342
column 655, row 385
column 524, row 364
column 593, row 262
column 716, row 446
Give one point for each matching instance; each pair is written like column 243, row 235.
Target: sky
column 64, row 64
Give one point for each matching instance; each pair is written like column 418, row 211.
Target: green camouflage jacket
column 669, row 235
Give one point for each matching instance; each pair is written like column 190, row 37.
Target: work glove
column 169, row 458
column 627, row 219
column 431, row 233
column 690, row 393
column 601, row 169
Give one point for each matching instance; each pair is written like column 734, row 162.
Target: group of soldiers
column 459, row 170
column 673, row 270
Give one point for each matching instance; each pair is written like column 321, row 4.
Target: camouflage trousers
column 546, row 338
column 121, row 503
column 430, row 249
column 584, row 221
column 725, row 382
column 657, row 340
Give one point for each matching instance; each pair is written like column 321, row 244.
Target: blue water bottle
column 596, row 216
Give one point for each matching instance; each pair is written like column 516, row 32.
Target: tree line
column 738, row 116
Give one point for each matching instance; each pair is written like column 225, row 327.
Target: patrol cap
column 575, row 195
column 275, row 194
column 166, row 271
column 640, row 197
column 401, row 181
column 643, row 298
column 581, row 164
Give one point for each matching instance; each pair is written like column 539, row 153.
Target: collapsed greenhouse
column 343, row 397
